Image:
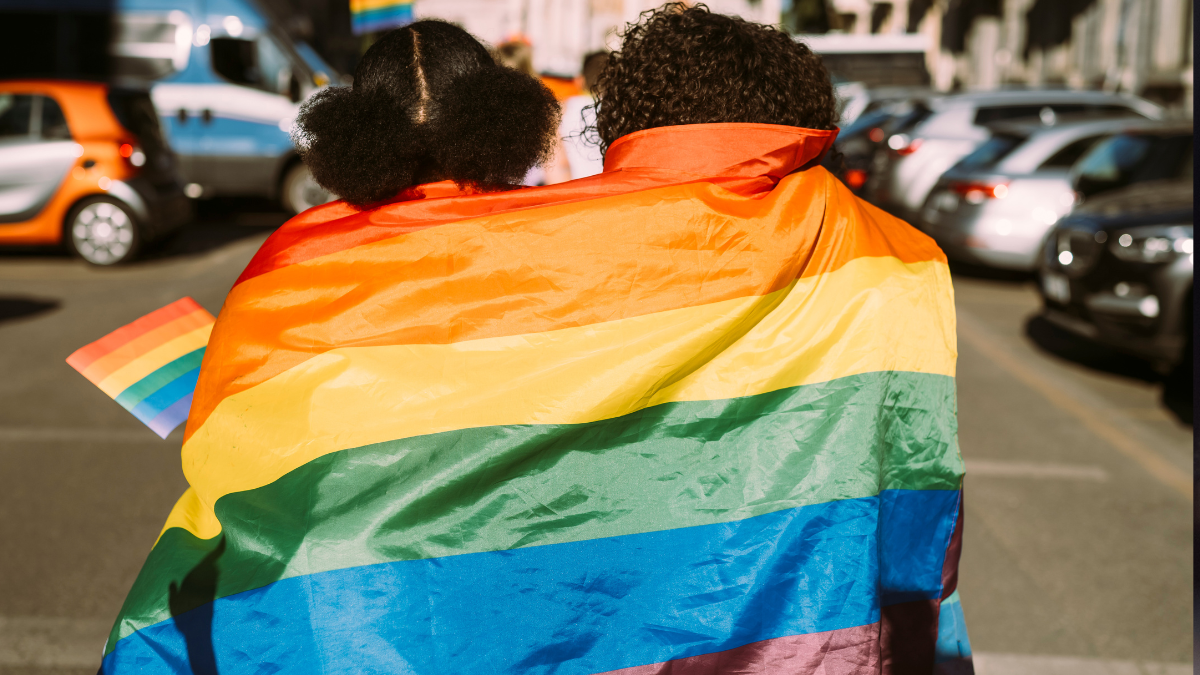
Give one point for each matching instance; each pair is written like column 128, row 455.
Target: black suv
column 1118, row 270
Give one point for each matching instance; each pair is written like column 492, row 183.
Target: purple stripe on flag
column 846, row 651
column 166, row 421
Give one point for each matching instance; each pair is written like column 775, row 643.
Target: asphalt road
column 1078, row 544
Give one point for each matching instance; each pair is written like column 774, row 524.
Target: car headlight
column 1153, row 244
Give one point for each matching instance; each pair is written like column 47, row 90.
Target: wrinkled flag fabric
column 695, row 414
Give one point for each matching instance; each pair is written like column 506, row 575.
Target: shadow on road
column 1176, row 386
column 19, row 308
column 220, row 222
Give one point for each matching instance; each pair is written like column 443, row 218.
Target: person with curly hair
column 693, row 414
column 428, row 104
column 696, row 87
column 685, row 65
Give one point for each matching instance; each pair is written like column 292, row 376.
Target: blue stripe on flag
column 572, row 608
column 162, row 399
column 383, row 18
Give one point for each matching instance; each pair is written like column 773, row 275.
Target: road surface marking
column 50, row 642
column 1154, row 463
column 1022, row 664
column 1008, row 469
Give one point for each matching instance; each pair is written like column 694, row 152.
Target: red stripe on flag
column 85, row 356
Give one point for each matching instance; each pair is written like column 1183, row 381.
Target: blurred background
column 1046, row 145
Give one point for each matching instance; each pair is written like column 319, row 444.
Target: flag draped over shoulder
column 693, row 415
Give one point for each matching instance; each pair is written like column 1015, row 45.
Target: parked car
column 996, row 205
column 1119, row 271
column 958, row 125
column 85, row 164
column 228, row 86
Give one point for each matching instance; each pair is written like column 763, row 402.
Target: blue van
column 227, row 86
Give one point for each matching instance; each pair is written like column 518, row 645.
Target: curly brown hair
column 428, row 104
column 686, row 65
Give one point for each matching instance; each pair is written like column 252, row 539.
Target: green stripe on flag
column 497, row 488
column 143, row 388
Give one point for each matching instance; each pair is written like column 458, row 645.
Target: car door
column 36, row 152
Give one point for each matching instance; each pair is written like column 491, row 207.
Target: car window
column 235, row 60
column 135, row 112
column 865, row 121
column 991, row 151
column 1108, row 161
column 275, row 67
column 1066, row 157
column 54, row 123
column 149, row 45
column 1047, row 112
column 907, row 121
column 16, row 111
column 1126, row 159
column 1164, row 159
column 991, row 114
column 260, row 63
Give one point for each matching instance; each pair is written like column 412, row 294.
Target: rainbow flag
column 695, row 414
column 370, row 16
column 150, row 366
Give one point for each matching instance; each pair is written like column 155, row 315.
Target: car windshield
column 864, row 122
column 1126, row 159
column 906, row 121
column 1047, row 112
column 991, row 152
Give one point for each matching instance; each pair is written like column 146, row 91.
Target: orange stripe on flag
column 133, row 349
column 83, row 357
column 456, row 282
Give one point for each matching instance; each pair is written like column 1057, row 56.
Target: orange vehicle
column 84, row 164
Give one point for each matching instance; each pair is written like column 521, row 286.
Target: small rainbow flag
column 150, row 366
column 370, row 16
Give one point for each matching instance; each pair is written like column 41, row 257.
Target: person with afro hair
column 428, row 104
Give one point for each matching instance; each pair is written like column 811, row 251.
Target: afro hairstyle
column 428, row 103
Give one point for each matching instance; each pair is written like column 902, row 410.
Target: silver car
column 958, row 125
column 996, row 205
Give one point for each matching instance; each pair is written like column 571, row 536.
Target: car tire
column 300, row 192
column 102, row 231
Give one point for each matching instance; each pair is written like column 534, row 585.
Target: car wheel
column 102, row 231
column 301, row 192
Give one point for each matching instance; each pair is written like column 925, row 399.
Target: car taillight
column 975, row 192
column 132, row 154
column 876, row 135
column 902, row 145
column 856, row 178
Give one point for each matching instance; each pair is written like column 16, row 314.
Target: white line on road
column 1021, row 664
column 50, row 642
column 1096, row 422
column 1006, row 469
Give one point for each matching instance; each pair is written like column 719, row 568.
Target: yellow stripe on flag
column 359, row 6
column 873, row 314
column 135, row 370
